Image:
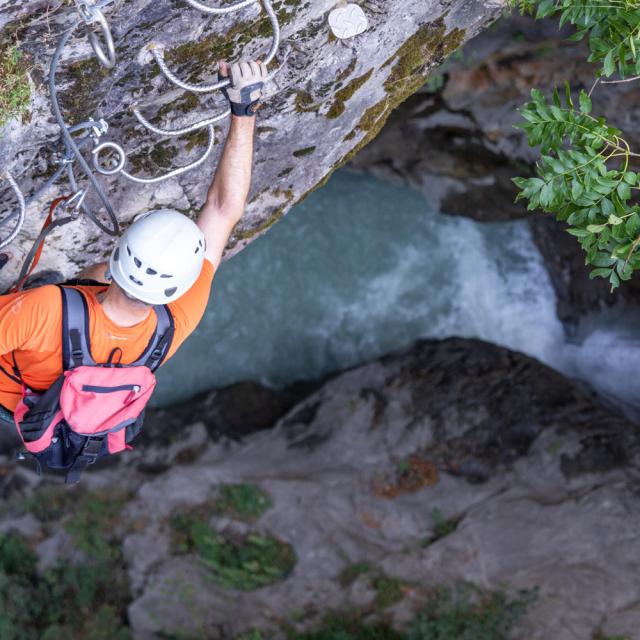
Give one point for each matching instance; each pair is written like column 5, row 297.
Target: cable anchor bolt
column 92, row 15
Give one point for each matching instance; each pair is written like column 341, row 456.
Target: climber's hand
column 247, row 79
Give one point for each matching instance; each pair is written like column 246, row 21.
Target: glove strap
column 245, row 109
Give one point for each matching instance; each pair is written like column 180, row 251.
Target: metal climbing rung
column 90, row 12
column 181, row 170
column 183, row 131
column 157, row 51
column 221, row 10
column 21, row 211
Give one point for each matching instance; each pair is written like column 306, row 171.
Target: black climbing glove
column 244, row 93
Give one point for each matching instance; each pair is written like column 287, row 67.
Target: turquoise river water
column 362, row 268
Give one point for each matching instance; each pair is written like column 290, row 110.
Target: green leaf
column 546, row 195
column 576, row 189
column 600, row 273
column 614, row 280
column 614, row 220
column 545, row 9
column 585, row 102
column 577, row 217
column 609, row 64
column 579, row 233
column 567, row 93
column 624, row 270
column 593, row 228
column 624, row 191
column 633, row 225
column 603, row 259
column 607, row 208
column 630, row 177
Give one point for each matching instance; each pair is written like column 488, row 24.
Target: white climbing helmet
column 159, row 257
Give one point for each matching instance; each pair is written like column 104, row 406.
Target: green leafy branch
column 611, row 25
column 584, row 174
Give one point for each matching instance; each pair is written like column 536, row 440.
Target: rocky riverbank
column 452, row 462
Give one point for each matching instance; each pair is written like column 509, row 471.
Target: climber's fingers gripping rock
column 247, row 80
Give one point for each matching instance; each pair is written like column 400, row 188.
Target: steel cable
column 70, row 143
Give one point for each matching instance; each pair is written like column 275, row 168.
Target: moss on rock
column 344, row 95
column 306, row 151
column 15, row 92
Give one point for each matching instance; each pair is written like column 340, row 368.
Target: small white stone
column 348, row 22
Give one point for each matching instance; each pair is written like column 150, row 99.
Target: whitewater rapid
column 362, row 268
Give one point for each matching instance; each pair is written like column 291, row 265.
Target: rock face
column 534, row 479
column 329, row 100
column 455, row 141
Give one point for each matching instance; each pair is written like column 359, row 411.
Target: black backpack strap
column 158, row 348
column 89, row 454
column 76, row 344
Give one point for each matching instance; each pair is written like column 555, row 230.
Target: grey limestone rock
column 330, row 99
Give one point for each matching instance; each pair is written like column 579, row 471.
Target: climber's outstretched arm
column 228, row 193
column 227, row 197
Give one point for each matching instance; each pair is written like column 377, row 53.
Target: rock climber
column 163, row 258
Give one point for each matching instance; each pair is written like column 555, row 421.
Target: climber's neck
column 120, row 309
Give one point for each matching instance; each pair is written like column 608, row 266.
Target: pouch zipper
column 123, row 387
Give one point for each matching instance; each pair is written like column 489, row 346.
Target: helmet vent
column 116, row 254
column 128, row 251
column 170, row 292
column 136, row 281
column 166, row 275
column 197, row 249
column 137, row 262
column 152, row 272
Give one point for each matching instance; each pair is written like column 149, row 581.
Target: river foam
column 362, row 268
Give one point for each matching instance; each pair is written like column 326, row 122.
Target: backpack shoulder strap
column 76, row 345
column 158, row 348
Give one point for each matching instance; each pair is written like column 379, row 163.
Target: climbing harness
column 107, row 157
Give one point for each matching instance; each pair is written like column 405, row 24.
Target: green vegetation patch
column 15, row 92
column 465, row 613
column 345, row 94
column 242, row 501
column 462, row 613
column 587, row 173
column 411, row 65
column 81, row 98
column 86, row 599
column 246, row 562
column 442, row 527
column 339, row 627
column 388, row 591
column 352, row 572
